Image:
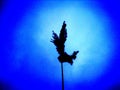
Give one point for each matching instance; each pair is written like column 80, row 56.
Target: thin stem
column 62, row 76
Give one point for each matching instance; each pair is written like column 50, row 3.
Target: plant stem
column 62, row 76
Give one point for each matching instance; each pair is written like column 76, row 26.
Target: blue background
column 28, row 61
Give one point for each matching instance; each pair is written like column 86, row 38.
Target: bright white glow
column 87, row 32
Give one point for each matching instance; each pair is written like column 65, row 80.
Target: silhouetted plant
column 59, row 42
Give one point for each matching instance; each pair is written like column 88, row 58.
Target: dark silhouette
column 59, row 42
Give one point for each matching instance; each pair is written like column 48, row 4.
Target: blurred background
column 28, row 60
